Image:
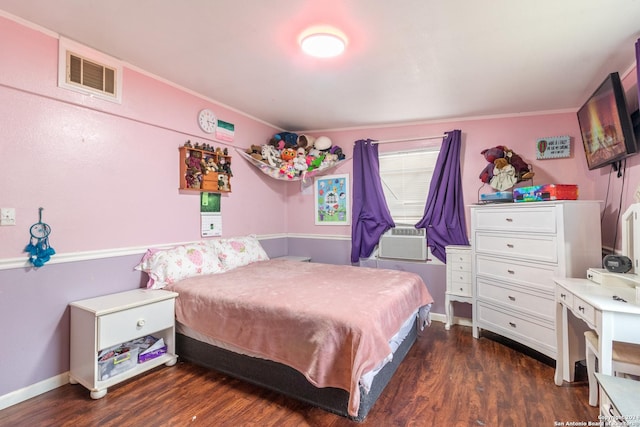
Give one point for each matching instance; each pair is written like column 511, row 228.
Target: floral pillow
column 238, row 251
column 166, row 266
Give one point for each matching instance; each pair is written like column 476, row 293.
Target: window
column 406, row 177
column 84, row 70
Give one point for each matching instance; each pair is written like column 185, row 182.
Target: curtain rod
column 408, row 139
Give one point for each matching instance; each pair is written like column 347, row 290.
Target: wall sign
column 553, row 147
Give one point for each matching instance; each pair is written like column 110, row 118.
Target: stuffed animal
column 300, row 162
column 271, row 155
column 288, row 170
column 322, row 143
column 521, row 171
column 504, row 175
column 305, row 141
column 288, row 154
column 284, row 140
column 209, row 165
column 255, row 151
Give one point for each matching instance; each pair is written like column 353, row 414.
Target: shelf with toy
column 289, row 157
column 203, row 168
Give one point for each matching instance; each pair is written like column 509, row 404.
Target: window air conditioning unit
column 406, row 243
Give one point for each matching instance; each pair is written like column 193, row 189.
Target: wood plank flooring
column 447, row 379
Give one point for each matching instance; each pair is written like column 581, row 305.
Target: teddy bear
column 209, row 165
column 504, row 175
column 522, row 170
column 255, row 151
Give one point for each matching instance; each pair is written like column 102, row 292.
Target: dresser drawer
column 116, row 328
column 529, row 247
column 536, row 304
column 540, row 335
column 539, row 276
column 541, row 219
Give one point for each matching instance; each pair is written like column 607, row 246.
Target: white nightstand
column 109, row 320
column 458, row 279
column 295, row 258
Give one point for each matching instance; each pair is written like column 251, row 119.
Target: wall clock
column 207, row 120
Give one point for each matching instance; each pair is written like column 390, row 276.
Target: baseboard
column 33, row 390
column 462, row 321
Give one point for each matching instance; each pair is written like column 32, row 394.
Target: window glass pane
column 406, row 177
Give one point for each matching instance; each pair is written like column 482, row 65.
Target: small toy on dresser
column 546, row 192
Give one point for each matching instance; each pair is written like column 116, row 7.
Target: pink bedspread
column 332, row 323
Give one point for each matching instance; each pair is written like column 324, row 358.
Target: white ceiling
column 407, row 60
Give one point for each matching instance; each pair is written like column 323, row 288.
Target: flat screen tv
column 605, row 125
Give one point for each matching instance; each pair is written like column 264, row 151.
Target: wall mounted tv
column 606, row 127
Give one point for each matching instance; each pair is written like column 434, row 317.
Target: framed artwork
column 332, row 194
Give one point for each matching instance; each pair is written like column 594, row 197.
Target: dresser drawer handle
column 581, row 308
column 563, row 296
column 510, row 245
column 141, row 323
column 509, row 219
column 461, row 289
column 513, row 325
column 511, row 272
column 512, row 298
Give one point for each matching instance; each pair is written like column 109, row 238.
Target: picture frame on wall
column 332, row 194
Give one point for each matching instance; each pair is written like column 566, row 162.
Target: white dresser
column 518, row 248
column 458, row 279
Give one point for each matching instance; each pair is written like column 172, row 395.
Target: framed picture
column 332, row 195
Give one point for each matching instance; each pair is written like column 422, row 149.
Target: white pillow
column 166, row 266
column 238, row 251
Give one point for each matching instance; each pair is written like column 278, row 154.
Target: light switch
column 7, row 216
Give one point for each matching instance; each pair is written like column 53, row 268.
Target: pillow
column 238, row 251
column 166, row 266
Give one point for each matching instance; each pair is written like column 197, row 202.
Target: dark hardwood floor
column 447, row 379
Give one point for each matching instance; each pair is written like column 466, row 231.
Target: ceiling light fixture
column 322, row 42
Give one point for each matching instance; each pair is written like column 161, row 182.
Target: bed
column 329, row 335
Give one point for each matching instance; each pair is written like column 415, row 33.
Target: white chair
column 625, row 360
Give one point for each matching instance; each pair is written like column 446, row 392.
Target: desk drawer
column 584, row 310
column 529, row 247
column 564, row 296
column 116, row 328
column 541, row 219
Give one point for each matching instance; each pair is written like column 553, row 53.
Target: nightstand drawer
column 460, row 288
column 459, row 277
column 116, row 328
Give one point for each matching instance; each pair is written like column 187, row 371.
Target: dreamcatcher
column 38, row 247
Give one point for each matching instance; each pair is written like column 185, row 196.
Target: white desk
column 594, row 304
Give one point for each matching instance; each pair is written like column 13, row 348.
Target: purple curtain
column 370, row 217
column 443, row 218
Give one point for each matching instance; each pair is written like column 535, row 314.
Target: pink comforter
column 330, row 322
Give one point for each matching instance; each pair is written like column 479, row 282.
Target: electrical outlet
column 7, row 216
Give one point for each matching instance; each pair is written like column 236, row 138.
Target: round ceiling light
column 323, row 42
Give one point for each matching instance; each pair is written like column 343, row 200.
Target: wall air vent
column 93, row 73
column 405, row 243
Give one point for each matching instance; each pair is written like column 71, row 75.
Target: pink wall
column 106, row 174
column 519, row 133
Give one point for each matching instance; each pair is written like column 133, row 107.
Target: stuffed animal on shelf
column 255, row 151
column 271, row 155
column 300, row 162
column 209, row 165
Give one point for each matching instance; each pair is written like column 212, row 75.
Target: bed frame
column 286, row 380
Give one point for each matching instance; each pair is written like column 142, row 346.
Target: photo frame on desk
column 331, row 195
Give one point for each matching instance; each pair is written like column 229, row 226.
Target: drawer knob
column 563, row 296
column 509, row 219
column 581, row 308
column 141, row 323
column 510, row 245
column 511, row 272
column 512, row 298
column 513, row 325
